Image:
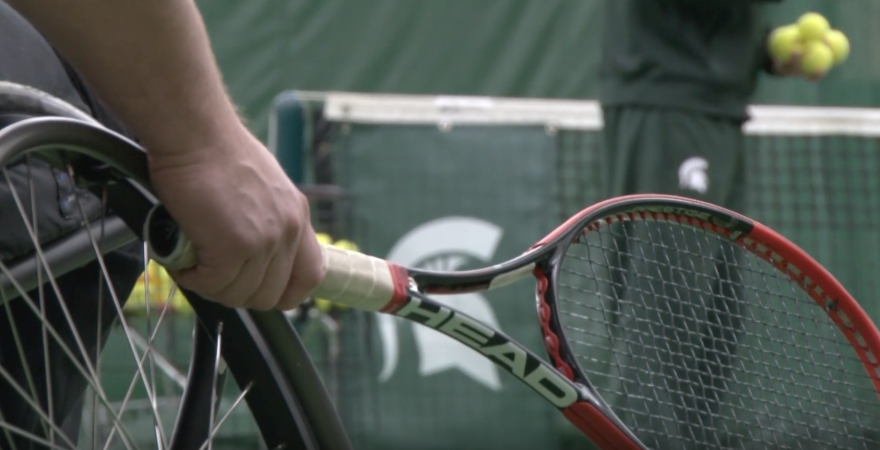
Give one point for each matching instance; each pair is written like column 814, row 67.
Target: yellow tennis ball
column 813, row 26
column 136, row 302
column 156, row 280
column 839, row 45
column 324, row 238
column 323, row 305
column 784, row 42
column 162, row 287
column 345, row 245
column 817, row 58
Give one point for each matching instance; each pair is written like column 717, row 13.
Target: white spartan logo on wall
column 692, row 175
column 444, row 244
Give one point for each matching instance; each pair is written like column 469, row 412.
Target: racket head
column 700, row 328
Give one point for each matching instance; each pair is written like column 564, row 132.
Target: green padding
column 450, row 200
column 289, row 138
column 487, row 47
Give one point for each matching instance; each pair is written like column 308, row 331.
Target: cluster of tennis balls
column 820, row 47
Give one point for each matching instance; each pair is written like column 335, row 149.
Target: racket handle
column 359, row 281
column 352, row 279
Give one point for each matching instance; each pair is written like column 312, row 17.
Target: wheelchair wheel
column 87, row 360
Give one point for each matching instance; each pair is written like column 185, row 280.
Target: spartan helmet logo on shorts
column 692, row 174
column 449, row 243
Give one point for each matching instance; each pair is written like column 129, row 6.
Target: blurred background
column 499, row 131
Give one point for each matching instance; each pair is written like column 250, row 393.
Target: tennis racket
column 669, row 323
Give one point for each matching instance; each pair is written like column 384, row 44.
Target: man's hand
column 151, row 62
column 250, row 226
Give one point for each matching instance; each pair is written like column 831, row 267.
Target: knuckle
column 301, row 199
column 258, row 241
column 304, row 207
column 244, row 244
column 296, row 219
column 310, row 277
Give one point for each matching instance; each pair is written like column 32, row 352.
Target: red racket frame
column 815, row 280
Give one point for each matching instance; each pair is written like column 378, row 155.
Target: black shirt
column 698, row 55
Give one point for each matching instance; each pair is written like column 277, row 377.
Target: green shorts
column 665, row 151
column 670, row 151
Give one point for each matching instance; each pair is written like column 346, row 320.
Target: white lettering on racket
column 432, row 319
column 532, row 371
column 468, row 332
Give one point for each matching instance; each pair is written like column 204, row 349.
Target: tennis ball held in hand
column 785, row 42
column 817, row 58
column 813, row 26
column 839, row 45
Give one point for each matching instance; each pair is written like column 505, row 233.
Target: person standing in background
column 676, row 77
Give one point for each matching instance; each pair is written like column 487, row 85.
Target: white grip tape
column 354, row 279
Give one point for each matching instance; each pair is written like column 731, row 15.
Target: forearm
column 149, row 60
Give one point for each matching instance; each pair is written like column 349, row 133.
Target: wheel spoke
column 135, row 378
column 78, row 365
column 164, row 365
column 148, row 300
column 86, row 367
column 8, row 428
column 53, row 282
column 33, row 403
column 125, row 325
column 42, row 293
column 217, row 361
column 99, row 329
column 11, row 317
column 228, row 413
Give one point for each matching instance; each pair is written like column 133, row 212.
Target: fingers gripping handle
column 350, row 278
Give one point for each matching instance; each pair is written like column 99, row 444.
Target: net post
column 289, row 134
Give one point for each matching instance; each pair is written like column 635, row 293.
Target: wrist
column 196, row 133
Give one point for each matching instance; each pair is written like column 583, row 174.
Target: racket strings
column 696, row 343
